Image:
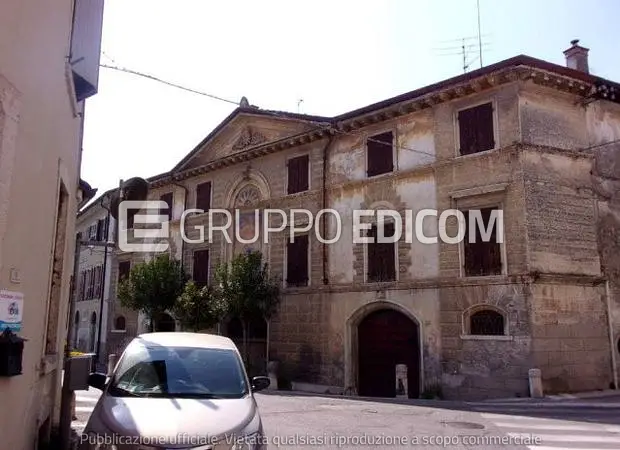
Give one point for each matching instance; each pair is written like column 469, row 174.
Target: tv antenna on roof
column 465, row 46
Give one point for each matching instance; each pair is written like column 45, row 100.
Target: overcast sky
column 336, row 55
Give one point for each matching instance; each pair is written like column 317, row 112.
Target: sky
column 334, row 55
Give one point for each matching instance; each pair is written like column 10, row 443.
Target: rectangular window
column 298, row 176
column 381, row 256
column 297, row 261
column 97, row 290
column 168, row 199
column 380, row 153
column 124, row 268
column 91, row 283
column 481, row 258
column 92, row 232
column 80, row 287
column 101, row 230
column 476, row 129
column 203, row 196
column 200, row 273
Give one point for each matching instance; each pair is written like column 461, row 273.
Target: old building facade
column 41, row 123
column 534, row 140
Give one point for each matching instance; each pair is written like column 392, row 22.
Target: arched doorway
column 255, row 354
column 165, row 323
column 93, row 331
column 387, row 337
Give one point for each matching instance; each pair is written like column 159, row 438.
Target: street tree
column 249, row 291
column 200, row 308
column 153, row 287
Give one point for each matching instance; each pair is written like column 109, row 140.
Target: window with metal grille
column 200, row 273
column 381, row 257
column 297, row 261
column 124, row 267
column 298, row 176
column 482, row 258
column 476, row 129
column 168, row 199
column 486, row 322
column 203, row 196
column 380, row 154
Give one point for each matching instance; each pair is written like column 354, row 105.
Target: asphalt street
column 296, row 421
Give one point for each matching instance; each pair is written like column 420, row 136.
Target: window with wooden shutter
column 168, row 199
column 203, row 196
column 297, row 261
column 89, row 284
column 381, row 257
column 200, row 273
column 124, row 268
column 80, row 287
column 482, row 258
column 298, row 176
column 476, row 129
column 100, row 230
column 97, row 289
column 380, row 154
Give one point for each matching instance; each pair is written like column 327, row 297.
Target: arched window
column 119, row 323
column 487, row 322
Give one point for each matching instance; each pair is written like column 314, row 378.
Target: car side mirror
column 97, row 380
column 260, row 383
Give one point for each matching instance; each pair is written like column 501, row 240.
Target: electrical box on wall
column 11, row 353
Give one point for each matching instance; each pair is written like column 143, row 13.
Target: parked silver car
column 176, row 391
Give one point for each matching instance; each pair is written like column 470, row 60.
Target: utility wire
column 151, row 77
column 320, row 125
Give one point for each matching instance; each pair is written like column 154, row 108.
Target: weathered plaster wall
column 552, row 119
column 560, row 213
column 603, row 127
column 570, row 341
column 485, row 366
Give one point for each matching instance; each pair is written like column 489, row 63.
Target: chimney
column 577, row 57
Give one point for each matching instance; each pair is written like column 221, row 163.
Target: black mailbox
column 11, row 352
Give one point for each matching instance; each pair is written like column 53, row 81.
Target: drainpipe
column 324, row 206
column 611, row 335
column 186, row 195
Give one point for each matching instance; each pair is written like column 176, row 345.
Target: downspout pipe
column 186, row 196
column 104, row 280
column 323, row 207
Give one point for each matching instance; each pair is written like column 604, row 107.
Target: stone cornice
column 522, row 73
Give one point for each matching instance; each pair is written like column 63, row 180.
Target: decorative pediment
column 249, row 138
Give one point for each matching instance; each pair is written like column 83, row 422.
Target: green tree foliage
column 153, row 287
column 200, row 308
column 249, row 291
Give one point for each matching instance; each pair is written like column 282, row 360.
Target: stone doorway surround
column 351, row 362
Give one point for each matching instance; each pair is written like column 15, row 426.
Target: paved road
column 293, row 421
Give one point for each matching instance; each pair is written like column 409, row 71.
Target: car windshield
column 156, row 371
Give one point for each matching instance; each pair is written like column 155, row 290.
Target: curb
column 558, row 397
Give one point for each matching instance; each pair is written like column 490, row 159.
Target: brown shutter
column 200, row 273
column 203, row 196
column 297, row 261
column 380, row 154
column 80, row 293
column 168, row 199
column 124, row 267
column 298, row 174
column 476, row 129
column 467, row 126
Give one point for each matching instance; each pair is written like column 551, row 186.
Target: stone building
column 49, row 66
column 535, row 140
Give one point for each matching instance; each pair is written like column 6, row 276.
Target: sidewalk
column 562, row 397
